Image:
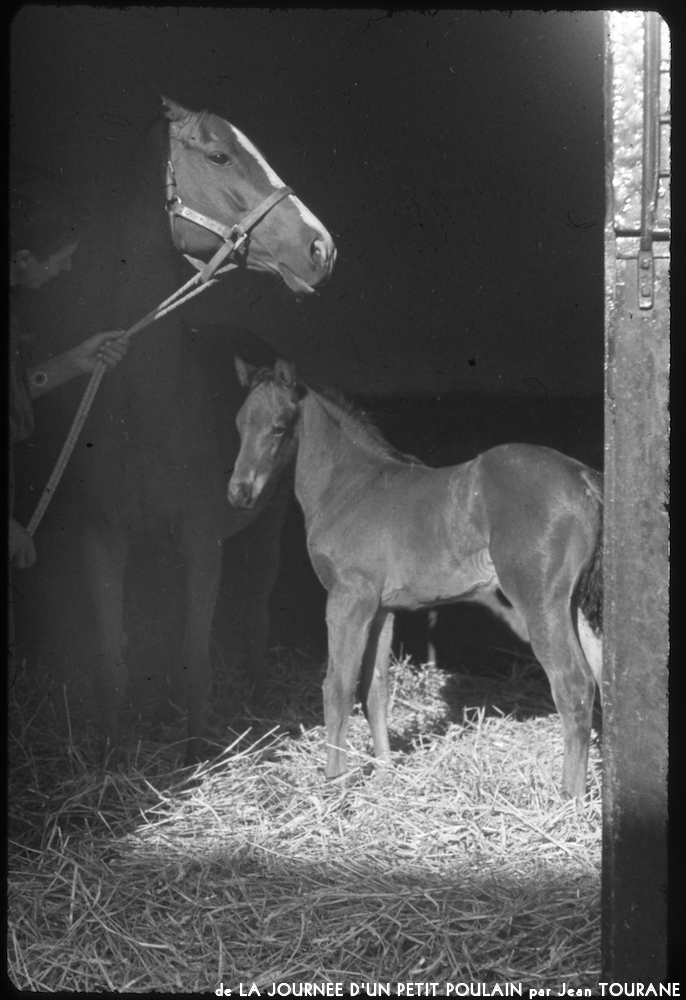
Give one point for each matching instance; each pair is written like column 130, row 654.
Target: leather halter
column 236, row 238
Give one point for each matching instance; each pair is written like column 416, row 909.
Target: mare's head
column 267, row 426
column 216, row 171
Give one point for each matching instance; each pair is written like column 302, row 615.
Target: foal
column 386, row 532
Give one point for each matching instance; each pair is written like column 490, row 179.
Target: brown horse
column 519, row 529
column 156, row 451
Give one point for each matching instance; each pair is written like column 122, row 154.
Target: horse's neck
column 324, row 447
column 146, row 262
column 154, row 364
column 150, row 269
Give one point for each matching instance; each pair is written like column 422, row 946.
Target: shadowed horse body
column 518, row 529
column 156, row 452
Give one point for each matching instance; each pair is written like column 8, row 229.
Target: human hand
column 107, row 347
column 22, row 549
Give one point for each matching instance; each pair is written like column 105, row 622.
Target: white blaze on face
column 308, row 218
column 592, row 646
column 246, row 144
column 258, row 484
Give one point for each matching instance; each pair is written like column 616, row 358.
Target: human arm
column 108, row 347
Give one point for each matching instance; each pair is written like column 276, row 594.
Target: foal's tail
column 589, row 591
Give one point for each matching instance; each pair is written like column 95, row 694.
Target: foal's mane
column 365, row 432
column 349, row 416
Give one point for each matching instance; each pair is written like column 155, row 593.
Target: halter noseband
column 236, row 238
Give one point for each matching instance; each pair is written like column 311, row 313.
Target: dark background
column 457, row 157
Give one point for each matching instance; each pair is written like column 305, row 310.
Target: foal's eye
column 220, row 159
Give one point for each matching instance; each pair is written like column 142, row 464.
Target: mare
column 156, row 451
column 518, row 529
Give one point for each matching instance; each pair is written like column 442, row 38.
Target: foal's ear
column 244, row 371
column 285, row 372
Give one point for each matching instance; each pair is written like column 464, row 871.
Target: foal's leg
column 348, row 616
column 104, row 550
column 555, row 644
column 202, row 549
column 375, row 664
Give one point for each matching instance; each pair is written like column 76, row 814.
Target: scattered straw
column 461, row 863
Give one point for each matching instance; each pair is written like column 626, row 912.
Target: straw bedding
column 459, row 864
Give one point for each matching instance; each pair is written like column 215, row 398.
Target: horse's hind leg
column 348, row 617
column 203, row 552
column 104, row 554
column 262, row 550
column 375, row 664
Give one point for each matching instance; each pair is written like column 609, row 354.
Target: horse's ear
column 244, row 371
column 175, row 112
column 285, row 372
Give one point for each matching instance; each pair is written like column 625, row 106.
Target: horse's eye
column 221, row 159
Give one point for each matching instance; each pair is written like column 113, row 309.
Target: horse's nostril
column 237, row 494
column 240, row 495
column 323, row 252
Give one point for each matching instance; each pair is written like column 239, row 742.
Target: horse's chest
column 177, row 486
column 149, row 490
column 155, row 460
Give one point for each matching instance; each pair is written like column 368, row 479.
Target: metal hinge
column 646, row 279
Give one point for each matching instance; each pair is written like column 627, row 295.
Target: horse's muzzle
column 323, row 252
column 241, row 495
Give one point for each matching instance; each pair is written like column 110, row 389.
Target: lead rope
column 180, row 296
column 233, row 241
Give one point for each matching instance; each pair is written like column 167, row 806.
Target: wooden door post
column 636, row 579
